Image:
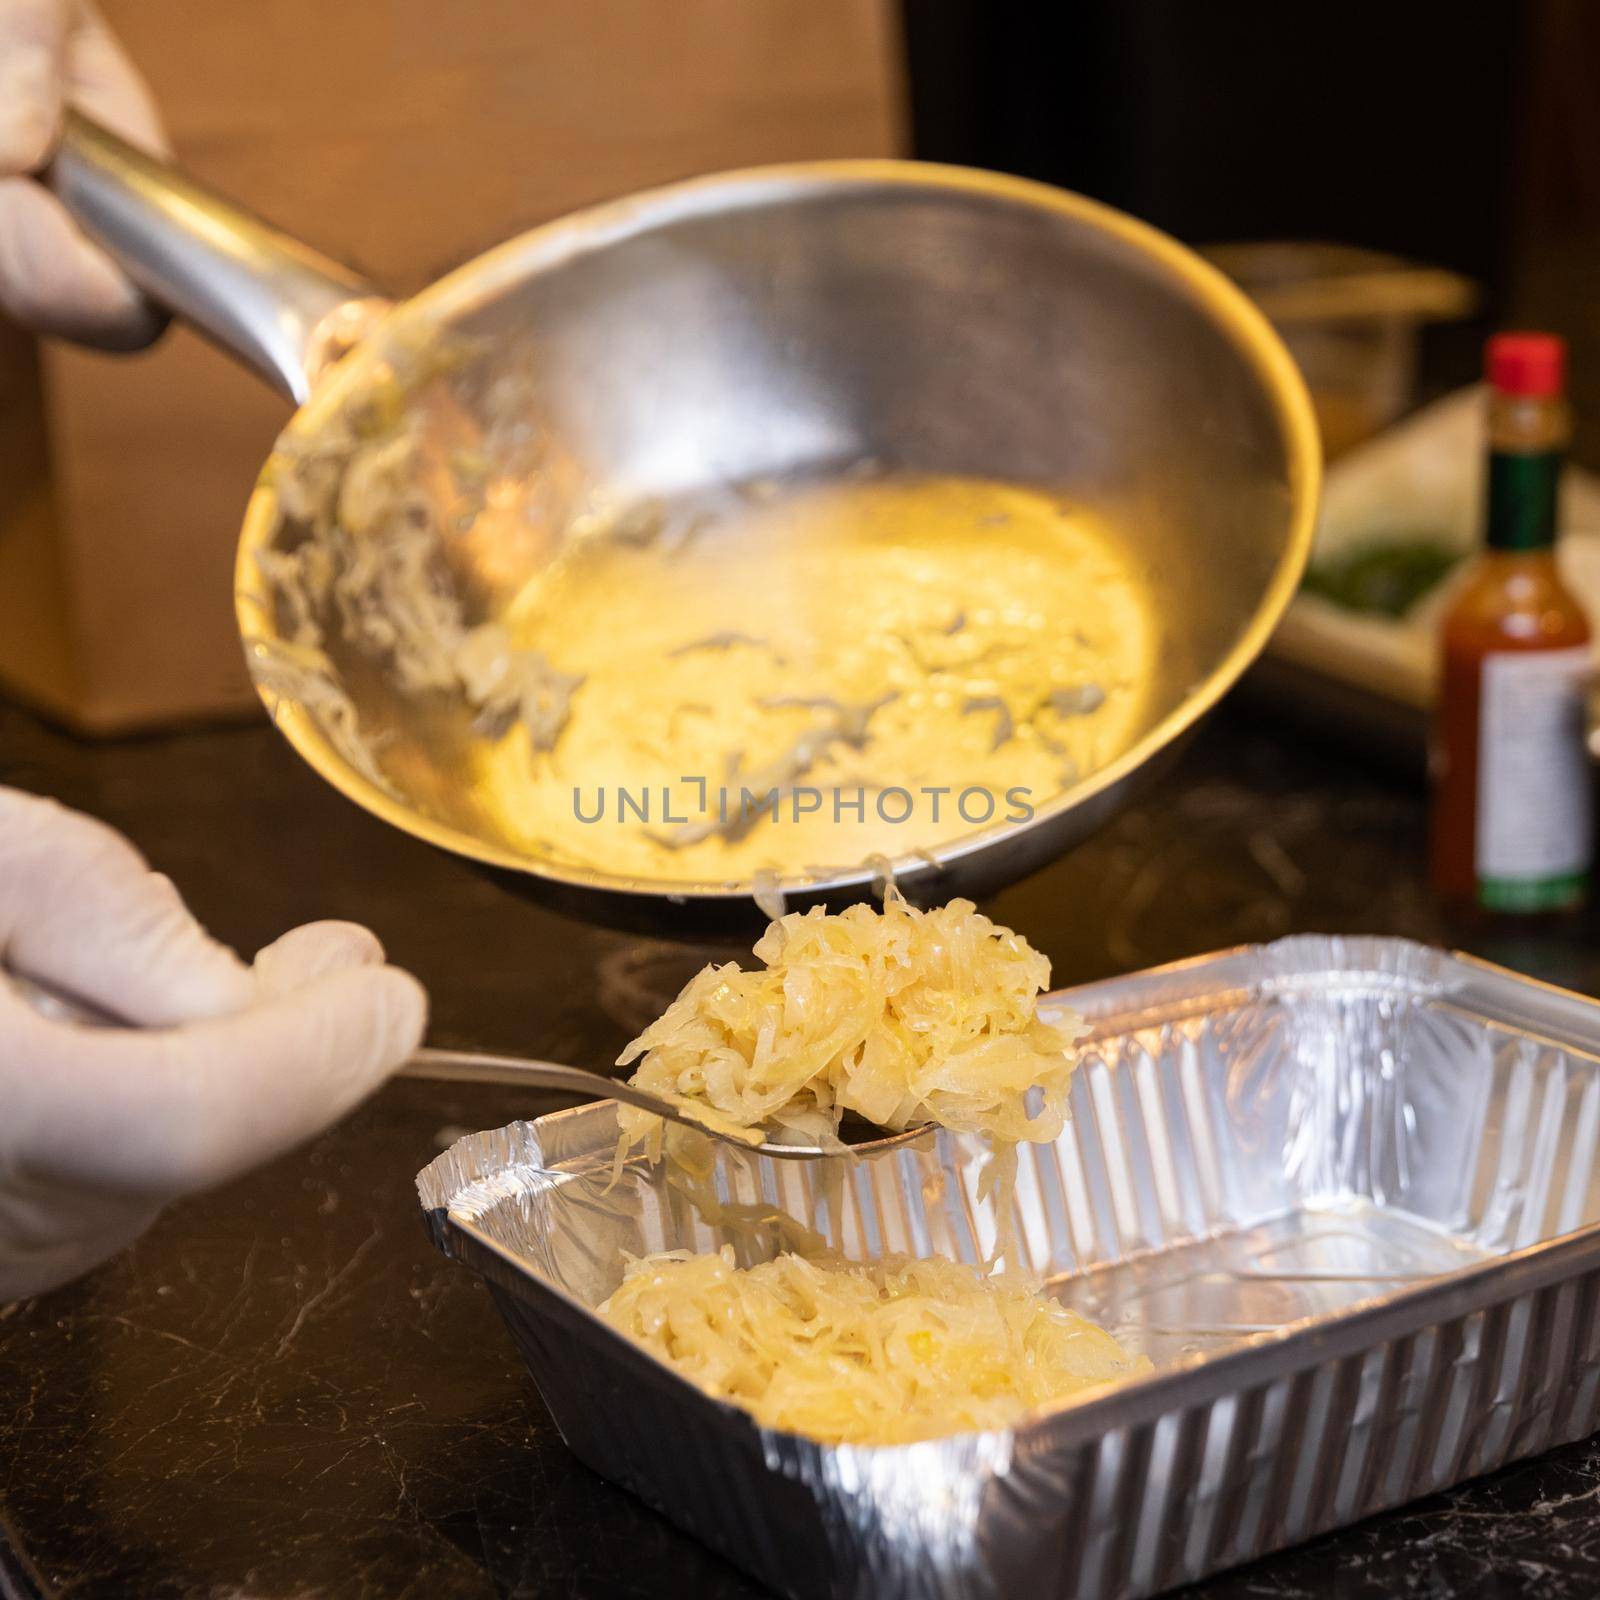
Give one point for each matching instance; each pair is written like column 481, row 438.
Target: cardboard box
column 404, row 137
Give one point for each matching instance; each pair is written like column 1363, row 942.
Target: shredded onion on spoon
column 901, row 1016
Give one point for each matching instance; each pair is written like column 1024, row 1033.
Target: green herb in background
column 1385, row 577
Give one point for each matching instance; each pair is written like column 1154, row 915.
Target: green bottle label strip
column 1531, row 894
column 1522, row 500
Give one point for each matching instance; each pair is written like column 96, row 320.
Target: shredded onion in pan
column 902, row 1016
column 878, row 1353
column 300, row 674
column 368, row 567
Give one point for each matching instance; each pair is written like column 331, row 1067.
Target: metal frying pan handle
column 275, row 303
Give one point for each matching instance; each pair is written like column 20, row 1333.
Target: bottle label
column 1534, row 822
column 1522, row 499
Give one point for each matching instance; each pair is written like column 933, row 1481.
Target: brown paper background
column 403, row 136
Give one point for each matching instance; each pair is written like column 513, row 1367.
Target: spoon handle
column 460, row 1066
column 482, row 1066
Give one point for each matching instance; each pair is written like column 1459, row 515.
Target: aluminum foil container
column 1343, row 1192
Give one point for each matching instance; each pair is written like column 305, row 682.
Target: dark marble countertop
column 284, row 1391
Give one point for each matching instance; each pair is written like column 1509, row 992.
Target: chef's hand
column 52, row 279
column 226, row 1066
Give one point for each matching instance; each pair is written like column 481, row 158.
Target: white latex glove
column 229, row 1065
column 52, row 279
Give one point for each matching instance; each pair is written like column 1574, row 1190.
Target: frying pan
column 756, row 324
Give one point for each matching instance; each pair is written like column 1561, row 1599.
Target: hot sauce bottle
column 1511, row 802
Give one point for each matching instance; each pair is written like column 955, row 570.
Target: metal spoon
column 480, row 1066
column 477, row 1066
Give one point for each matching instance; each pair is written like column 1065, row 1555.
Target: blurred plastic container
column 1352, row 319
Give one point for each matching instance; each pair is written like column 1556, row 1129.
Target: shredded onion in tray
column 902, row 1016
column 863, row 1353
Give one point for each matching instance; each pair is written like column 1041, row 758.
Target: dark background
column 1391, row 125
column 1463, row 135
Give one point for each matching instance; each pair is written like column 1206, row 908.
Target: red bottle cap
column 1531, row 365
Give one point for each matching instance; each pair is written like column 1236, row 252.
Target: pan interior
column 790, row 524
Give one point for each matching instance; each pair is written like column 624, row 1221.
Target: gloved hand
column 228, row 1065
column 52, row 279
